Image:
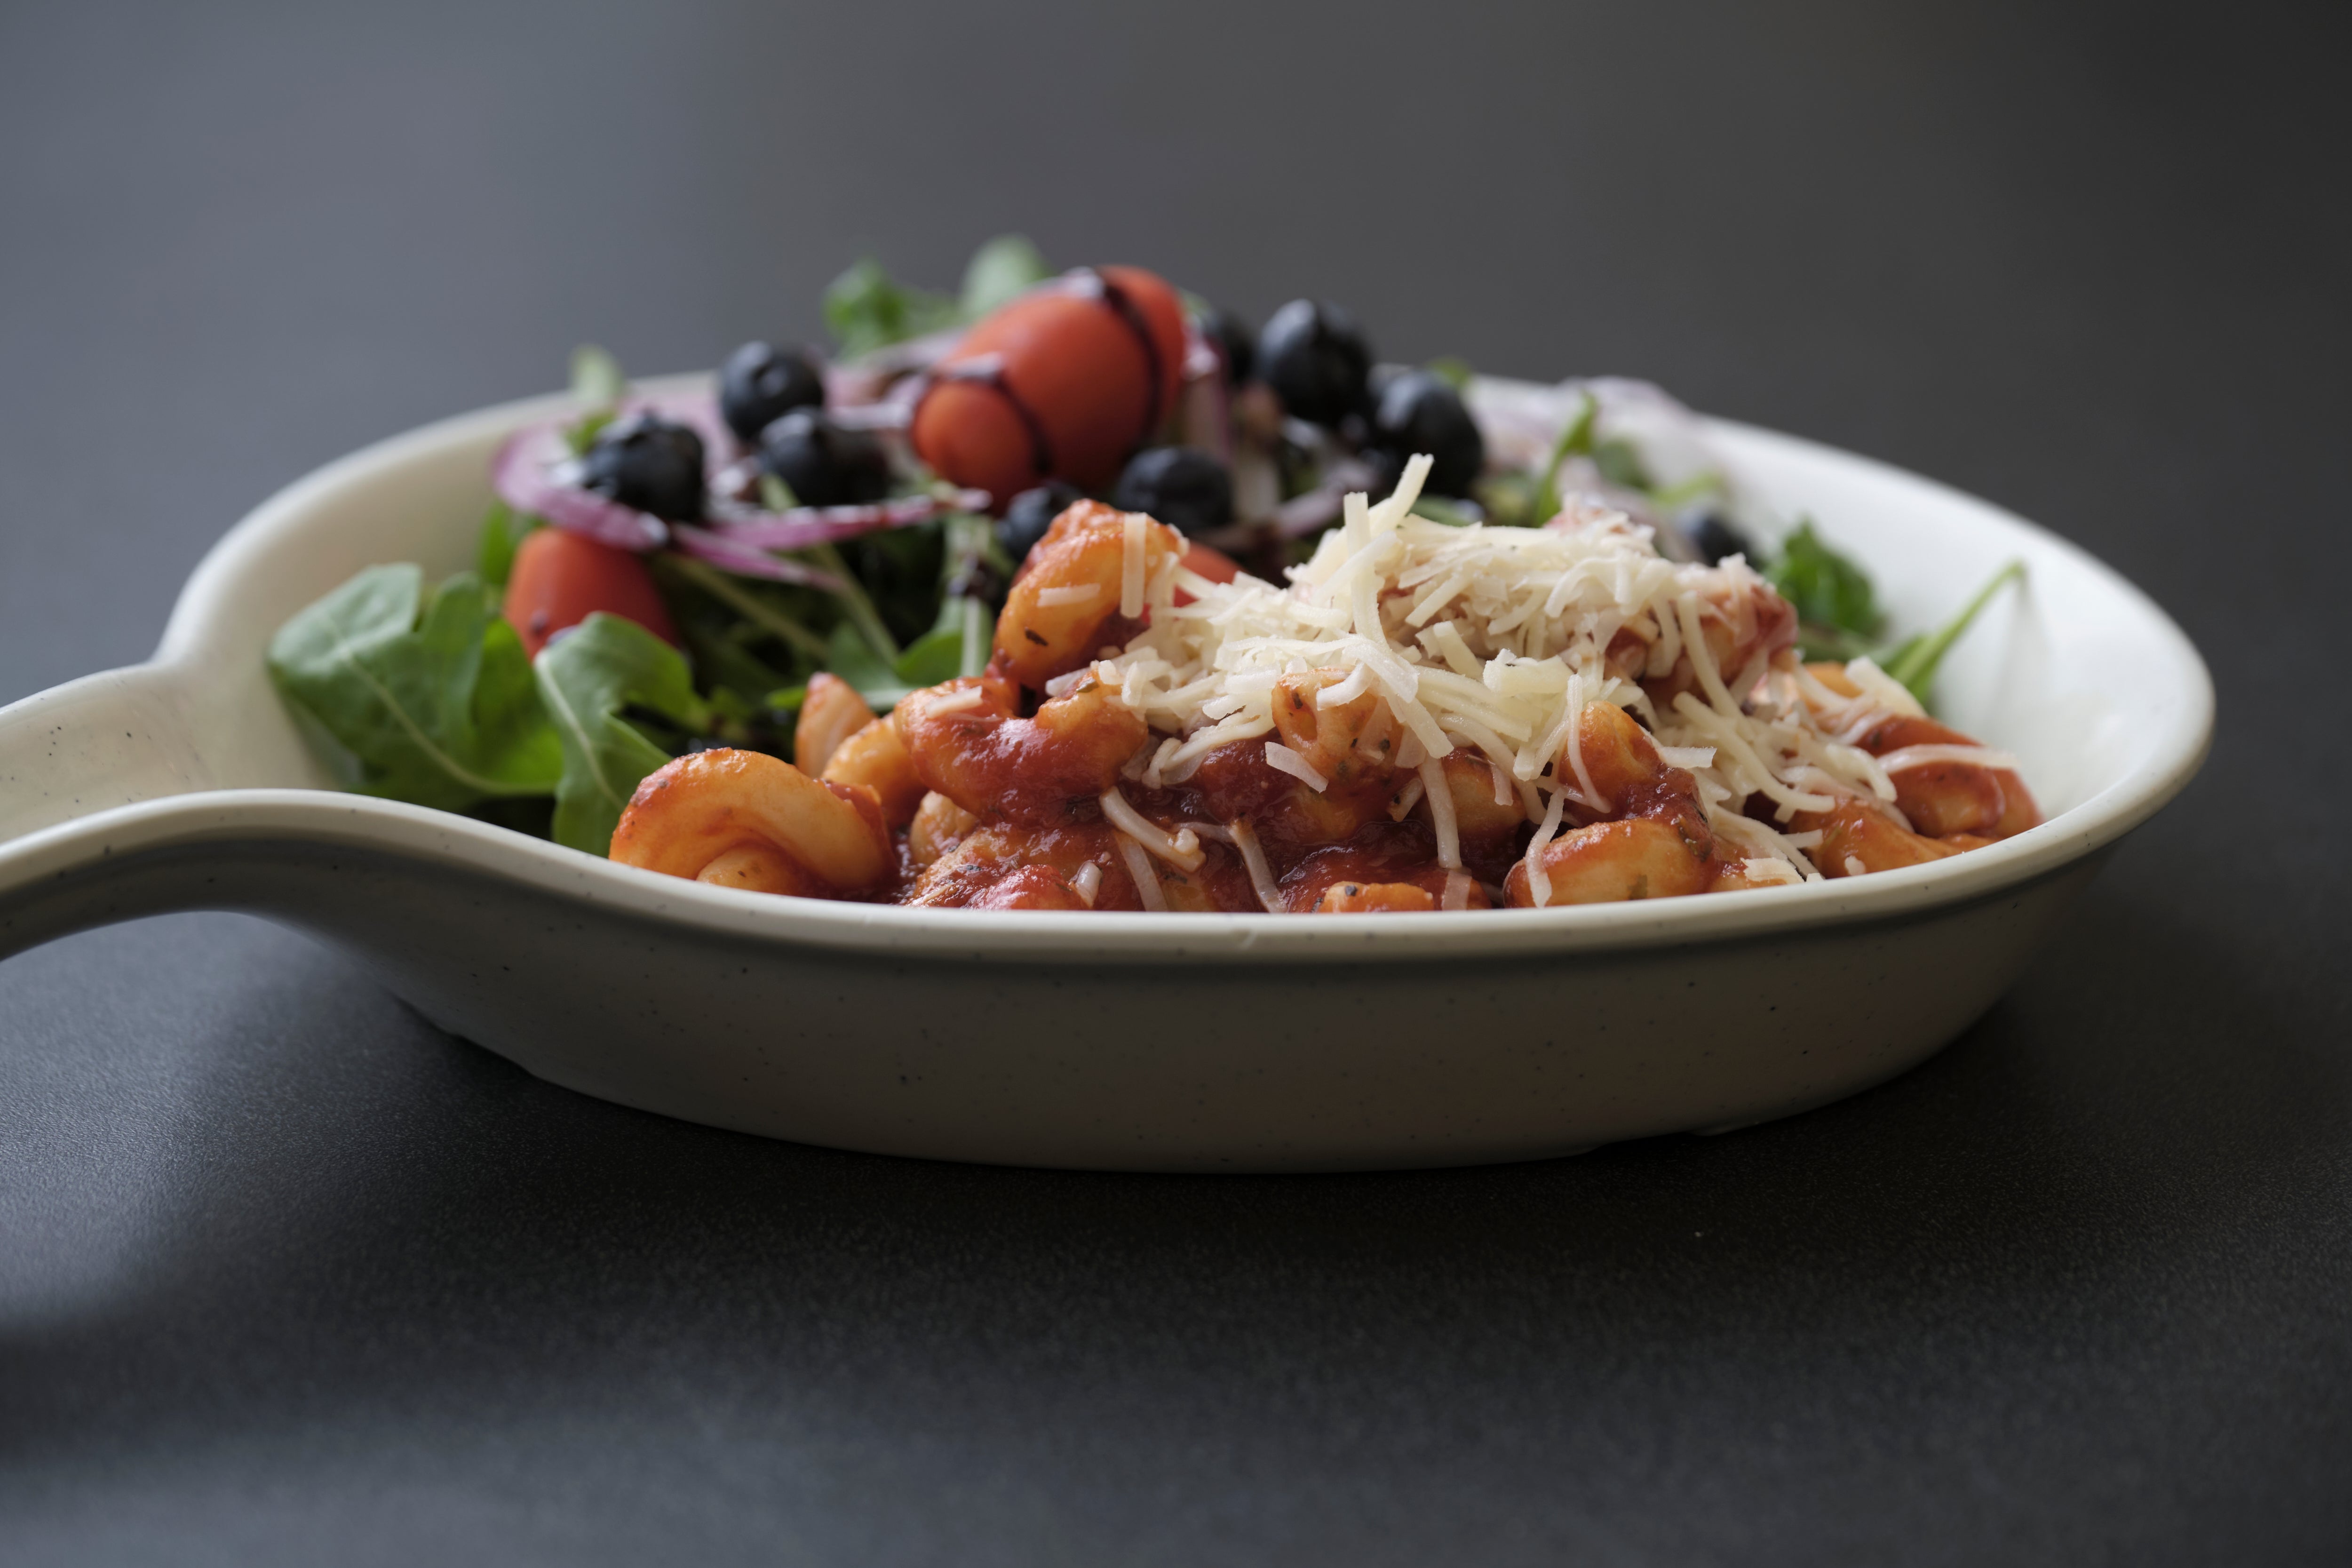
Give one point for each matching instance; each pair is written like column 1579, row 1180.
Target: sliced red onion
column 1200, row 360
column 892, row 412
column 536, row 472
column 1205, row 415
column 747, row 561
column 528, row 474
column 873, row 377
column 1320, row 508
column 1312, row 512
column 698, row 410
column 809, row 525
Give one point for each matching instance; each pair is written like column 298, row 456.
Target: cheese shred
column 1130, row 577
column 1141, row 872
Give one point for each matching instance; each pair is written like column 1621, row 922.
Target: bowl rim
column 190, row 653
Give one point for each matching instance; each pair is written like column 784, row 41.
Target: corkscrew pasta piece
column 1083, row 582
column 747, row 819
column 965, row 741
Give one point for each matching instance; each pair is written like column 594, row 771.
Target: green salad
column 665, row 570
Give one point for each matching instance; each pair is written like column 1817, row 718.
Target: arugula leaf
column 598, row 385
column 1453, row 513
column 866, row 311
column 752, row 603
column 974, row 625
column 849, row 655
column 1508, row 498
column 1620, row 462
column 509, row 725
column 1839, row 618
column 998, row 271
column 414, row 696
column 1676, row 496
column 596, row 378
column 1452, row 370
column 932, row 658
column 1913, row 660
column 958, row 645
column 716, row 651
column 1575, row 441
column 586, row 678
column 901, row 571
column 1836, row 606
column 854, row 604
column 503, row 532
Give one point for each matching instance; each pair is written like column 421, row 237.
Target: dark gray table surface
column 286, row 1274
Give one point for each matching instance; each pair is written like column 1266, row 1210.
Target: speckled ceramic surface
column 1159, row 1042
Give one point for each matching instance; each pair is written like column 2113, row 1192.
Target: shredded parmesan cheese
column 1088, row 883
column 1910, row 757
column 1284, row 760
column 1182, row 848
column 1883, row 688
column 1130, row 577
column 1441, row 814
column 1540, row 880
column 1139, row 870
column 1492, row 642
column 954, row 702
column 1076, row 594
column 1261, row 875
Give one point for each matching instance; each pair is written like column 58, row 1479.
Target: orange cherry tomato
column 560, row 579
column 1064, row 383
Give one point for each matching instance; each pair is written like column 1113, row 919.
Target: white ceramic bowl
column 1141, row 1042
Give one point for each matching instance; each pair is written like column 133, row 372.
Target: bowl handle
column 108, row 740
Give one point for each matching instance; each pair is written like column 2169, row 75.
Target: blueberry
column 1714, row 539
column 824, row 464
column 650, row 464
column 1233, row 342
column 1181, row 486
column 1420, row 411
column 1315, row 360
column 760, row 385
column 1031, row 514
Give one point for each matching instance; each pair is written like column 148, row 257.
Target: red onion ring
column 809, row 525
column 527, row 473
column 746, row 561
column 531, row 473
column 522, row 474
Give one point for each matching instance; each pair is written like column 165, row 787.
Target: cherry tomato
column 560, row 578
column 1062, row 384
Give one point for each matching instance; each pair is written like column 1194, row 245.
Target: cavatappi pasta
column 1425, row 717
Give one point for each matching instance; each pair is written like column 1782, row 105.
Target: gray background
column 286, row 1274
